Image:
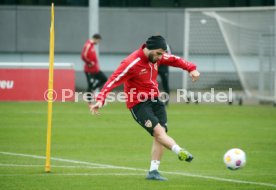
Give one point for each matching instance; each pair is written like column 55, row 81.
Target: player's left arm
column 176, row 61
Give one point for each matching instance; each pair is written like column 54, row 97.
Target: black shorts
column 149, row 113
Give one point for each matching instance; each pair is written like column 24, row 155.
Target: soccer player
column 163, row 72
column 138, row 72
column 95, row 77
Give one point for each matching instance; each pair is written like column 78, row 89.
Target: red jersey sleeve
column 175, row 61
column 121, row 74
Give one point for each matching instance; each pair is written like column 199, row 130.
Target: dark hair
column 97, row 36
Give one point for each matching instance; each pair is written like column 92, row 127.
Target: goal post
column 235, row 47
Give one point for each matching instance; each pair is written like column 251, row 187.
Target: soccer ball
column 234, row 159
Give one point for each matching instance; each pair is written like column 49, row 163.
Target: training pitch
column 112, row 151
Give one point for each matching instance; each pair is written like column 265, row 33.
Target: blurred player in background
column 163, row 72
column 139, row 72
column 95, row 77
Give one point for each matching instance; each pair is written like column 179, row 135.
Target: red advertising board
column 32, row 84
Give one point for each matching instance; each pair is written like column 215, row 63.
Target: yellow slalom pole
column 50, row 90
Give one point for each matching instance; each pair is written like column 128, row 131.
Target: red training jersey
column 139, row 76
column 89, row 56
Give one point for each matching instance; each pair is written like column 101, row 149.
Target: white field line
column 137, row 169
column 75, row 174
column 73, row 161
column 222, row 179
column 53, row 166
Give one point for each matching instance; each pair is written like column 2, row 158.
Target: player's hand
column 95, row 107
column 92, row 63
column 194, row 75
